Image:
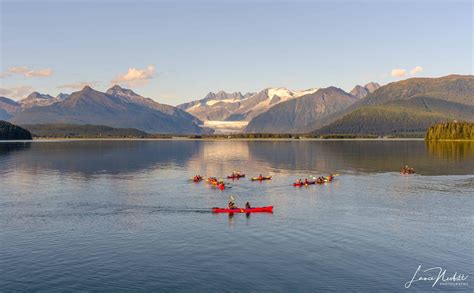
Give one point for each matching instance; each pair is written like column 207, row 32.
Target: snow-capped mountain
column 215, row 106
column 236, row 106
column 300, row 114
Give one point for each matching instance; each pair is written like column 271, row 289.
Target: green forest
column 384, row 120
column 451, row 131
column 9, row 131
column 83, row 131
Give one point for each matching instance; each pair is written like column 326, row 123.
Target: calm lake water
column 122, row 216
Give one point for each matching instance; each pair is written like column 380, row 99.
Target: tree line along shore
column 454, row 130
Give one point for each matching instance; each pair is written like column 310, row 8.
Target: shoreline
column 216, row 139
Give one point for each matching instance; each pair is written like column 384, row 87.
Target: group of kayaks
column 220, row 184
column 319, row 180
column 234, row 176
column 269, row 209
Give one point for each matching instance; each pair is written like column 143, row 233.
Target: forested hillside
column 9, row 131
column 82, row 131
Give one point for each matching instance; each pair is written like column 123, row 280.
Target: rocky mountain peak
column 36, row 95
column 362, row 91
column 117, row 90
column 372, row 86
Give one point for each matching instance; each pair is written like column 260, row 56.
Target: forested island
column 451, row 131
column 9, row 131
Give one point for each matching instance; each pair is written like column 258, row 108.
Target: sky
column 179, row 51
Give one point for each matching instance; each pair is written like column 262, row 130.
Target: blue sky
column 179, row 51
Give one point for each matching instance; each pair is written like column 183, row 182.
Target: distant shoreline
column 212, row 139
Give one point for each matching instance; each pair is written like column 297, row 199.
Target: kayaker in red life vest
column 247, row 206
column 260, row 177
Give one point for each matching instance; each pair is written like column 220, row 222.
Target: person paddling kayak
column 232, row 203
column 407, row 170
column 247, row 205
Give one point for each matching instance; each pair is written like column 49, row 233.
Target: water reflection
column 219, row 158
column 98, row 157
column 451, row 150
column 61, row 232
column 7, row 148
column 363, row 156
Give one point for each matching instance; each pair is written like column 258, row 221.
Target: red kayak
column 268, row 209
column 236, row 176
column 304, row 184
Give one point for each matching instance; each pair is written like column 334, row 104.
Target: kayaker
column 260, row 177
column 232, row 203
column 306, row 181
column 247, row 205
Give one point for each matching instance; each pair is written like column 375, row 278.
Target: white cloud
column 77, row 85
column 398, row 72
column 27, row 72
column 16, row 93
column 135, row 76
column 4, row 74
column 416, row 70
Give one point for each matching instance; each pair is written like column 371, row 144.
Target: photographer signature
column 436, row 275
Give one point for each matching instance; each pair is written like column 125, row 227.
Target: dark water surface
column 121, row 216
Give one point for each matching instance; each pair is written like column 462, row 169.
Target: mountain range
column 239, row 107
column 407, row 106
column 273, row 110
column 298, row 115
column 117, row 107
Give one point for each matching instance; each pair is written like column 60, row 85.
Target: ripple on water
column 138, row 224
